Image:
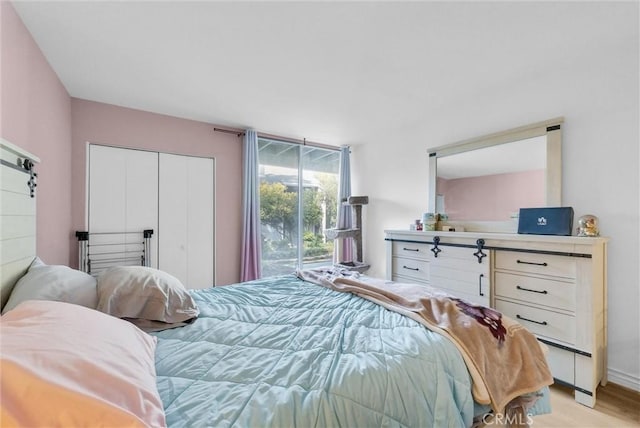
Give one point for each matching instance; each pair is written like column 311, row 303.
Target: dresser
column 553, row 285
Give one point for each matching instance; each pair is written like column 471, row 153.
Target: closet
column 185, row 218
column 133, row 190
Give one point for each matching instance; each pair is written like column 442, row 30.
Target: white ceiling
column 330, row 72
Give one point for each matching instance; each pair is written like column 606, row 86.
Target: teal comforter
column 281, row 352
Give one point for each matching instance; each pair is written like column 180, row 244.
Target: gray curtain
column 344, row 211
column 251, row 256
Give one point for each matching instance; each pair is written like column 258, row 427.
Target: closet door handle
column 410, row 268
column 533, row 291
column 480, row 284
column 531, row 263
column 533, row 321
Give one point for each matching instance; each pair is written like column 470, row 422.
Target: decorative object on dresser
column 553, row 285
column 546, row 221
column 588, row 226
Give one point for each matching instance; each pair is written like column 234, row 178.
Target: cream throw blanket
column 504, row 359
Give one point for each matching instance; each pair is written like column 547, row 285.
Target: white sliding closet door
column 123, row 194
column 186, row 219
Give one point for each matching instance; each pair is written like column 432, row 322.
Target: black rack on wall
column 102, row 250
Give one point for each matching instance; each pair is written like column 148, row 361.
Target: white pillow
column 138, row 292
column 37, row 262
column 66, row 365
column 54, row 282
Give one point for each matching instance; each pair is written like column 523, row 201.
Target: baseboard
column 623, row 379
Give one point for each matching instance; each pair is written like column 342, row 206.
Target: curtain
column 343, row 250
column 250, row 262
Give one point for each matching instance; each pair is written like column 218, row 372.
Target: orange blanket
column 505, row 360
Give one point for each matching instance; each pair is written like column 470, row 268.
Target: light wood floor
column 616, row 406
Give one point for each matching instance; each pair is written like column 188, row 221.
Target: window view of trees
column 284, row 247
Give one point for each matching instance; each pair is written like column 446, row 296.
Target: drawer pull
column 531, row 263
column 410, row 268
column 527, row 319
column 411, row 249
column 533, row 291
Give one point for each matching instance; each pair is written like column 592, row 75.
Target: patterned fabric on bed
column 284, row 352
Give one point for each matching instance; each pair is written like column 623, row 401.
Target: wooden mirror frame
column 552, row 128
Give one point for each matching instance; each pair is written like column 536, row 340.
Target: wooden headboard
column 17, row 215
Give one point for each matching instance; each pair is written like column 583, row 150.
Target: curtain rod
column 303, row 142
column 238, row 132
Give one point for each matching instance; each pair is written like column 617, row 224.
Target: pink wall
column 492, row 197
column 35, row 114
column 118, row 126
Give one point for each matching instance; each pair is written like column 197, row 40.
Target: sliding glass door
column 298, row 201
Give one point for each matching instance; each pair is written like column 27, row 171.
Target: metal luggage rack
column 101, row 250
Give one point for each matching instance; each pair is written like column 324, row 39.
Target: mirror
column 482, row 183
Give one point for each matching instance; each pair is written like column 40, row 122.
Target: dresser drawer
column 460, row 281
column 550, row 324
column 475, row 284
column 542, row 264
column 411, row 268
column 411, row 249
column 536, row 291
column 456, row 257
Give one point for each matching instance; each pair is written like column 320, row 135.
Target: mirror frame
column 552, row 128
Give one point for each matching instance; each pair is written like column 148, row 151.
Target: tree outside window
column 279, row 193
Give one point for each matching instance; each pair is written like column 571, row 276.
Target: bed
column 310, row 357
column 280, row 351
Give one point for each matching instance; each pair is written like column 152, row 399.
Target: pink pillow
column 67, row 365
